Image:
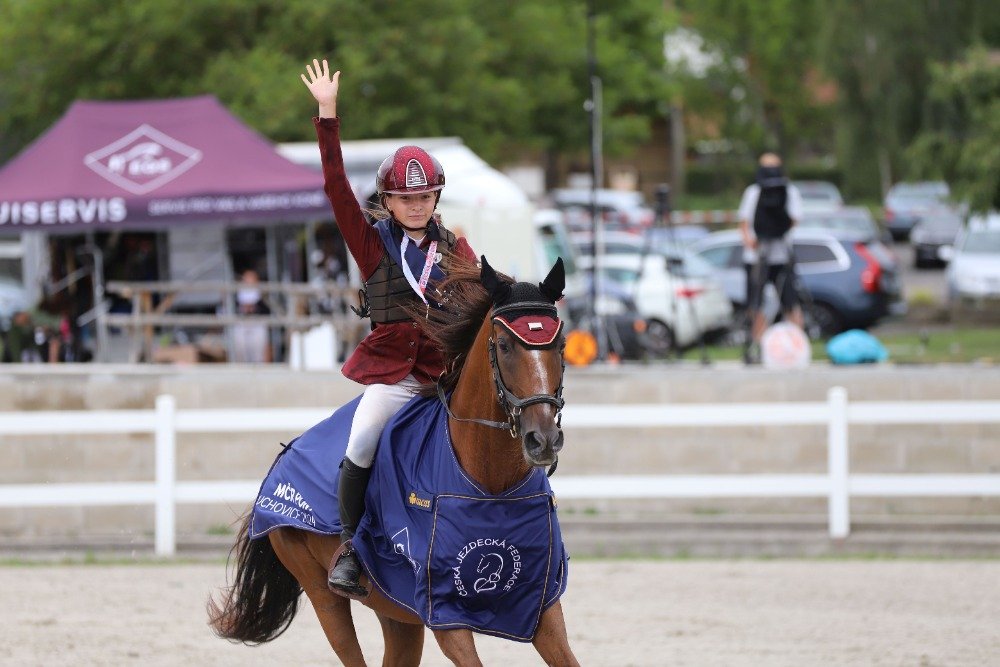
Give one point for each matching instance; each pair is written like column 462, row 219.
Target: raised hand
column 323, row 87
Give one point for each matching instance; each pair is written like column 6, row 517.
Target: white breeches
column 378, row 404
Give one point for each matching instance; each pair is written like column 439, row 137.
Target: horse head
column 526, row 357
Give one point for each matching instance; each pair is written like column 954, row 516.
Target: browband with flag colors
column 532, row 330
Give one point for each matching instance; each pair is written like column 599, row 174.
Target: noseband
column 512, row 405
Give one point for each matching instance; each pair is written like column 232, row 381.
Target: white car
column 677, row 293
column 617, row 209
column 819, row 196
column 614, row 243
column 973, row 274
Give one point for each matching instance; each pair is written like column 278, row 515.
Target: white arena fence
column 838, row 485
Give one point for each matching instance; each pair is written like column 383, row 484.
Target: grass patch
column 958, row 345
column 703, row 202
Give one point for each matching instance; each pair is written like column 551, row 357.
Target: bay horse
column 498, row 439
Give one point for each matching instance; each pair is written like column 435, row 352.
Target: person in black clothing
column 769, row 209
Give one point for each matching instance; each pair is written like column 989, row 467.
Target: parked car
column 856, row 219
column 936, row 230
column 906, row 203
column 615, row 243
column 627, row 334
column 552, row 242
column 819, row 196
column 973, row 274
column 677, row 293
column 618, row 209
column 682, row 235
column 655, row 240
column 849, row 281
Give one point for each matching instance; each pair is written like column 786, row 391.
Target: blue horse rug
column 431, row 539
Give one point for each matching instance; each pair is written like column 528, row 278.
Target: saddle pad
column 431, row 539
column 440, row 546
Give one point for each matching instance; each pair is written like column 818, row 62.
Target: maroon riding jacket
column 394, row 350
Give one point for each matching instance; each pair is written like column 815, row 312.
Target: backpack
column 771, row 219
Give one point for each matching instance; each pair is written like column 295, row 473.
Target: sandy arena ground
column 698, row 613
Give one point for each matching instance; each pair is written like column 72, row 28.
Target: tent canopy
column 479, row 202
column 152, row 165
column 470, row 180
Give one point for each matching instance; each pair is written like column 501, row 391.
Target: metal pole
column 97, row 285
column 593, row 106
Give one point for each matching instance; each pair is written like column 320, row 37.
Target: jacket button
column 409, row 359
column 411, row 343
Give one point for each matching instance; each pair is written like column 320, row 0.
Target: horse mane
column 454, row 327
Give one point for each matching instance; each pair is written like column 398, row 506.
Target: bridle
column 512, row 405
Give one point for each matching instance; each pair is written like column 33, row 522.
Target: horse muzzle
column 541, row 447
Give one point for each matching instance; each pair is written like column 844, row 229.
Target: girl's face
column 413, row 211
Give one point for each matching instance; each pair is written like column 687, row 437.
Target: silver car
column 973, row 274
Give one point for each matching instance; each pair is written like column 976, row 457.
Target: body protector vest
column 387, row 291
column 771, row 219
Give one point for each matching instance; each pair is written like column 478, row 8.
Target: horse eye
column 503, row 344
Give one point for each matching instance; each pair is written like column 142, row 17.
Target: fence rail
column 838, row 485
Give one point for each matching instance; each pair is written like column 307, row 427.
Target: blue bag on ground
column 856, row 347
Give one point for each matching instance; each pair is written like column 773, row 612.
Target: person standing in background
column 250, row 341
column 769, row 209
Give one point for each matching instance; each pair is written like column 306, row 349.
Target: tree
column 757, row 89
column 879, row 53
column 499, row 75
column 961, row 143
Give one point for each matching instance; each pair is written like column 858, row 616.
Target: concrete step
column 632, row 537
column 757, row 537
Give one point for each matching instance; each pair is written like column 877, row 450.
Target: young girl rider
column 398, row 258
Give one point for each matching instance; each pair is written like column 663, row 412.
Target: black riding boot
column 345, row 572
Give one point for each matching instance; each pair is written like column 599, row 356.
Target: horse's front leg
column 459, row 647
column 551, row 641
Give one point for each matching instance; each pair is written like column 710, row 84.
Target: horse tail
column 264, row 597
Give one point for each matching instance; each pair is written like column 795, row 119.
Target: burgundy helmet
column 409, row 170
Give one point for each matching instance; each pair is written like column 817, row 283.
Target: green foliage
column 961, row 143
column 501, row 76
column 758, row 91
column 513, row 76
column 879, row 52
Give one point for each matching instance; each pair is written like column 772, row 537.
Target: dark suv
column 850, row 279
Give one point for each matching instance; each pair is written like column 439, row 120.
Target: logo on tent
column 143, row 160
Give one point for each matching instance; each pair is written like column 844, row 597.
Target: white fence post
column 166, row 476
column 838, row 461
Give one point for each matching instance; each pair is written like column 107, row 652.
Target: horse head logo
column 490, row 565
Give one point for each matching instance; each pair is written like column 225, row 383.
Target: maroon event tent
column 152, row 165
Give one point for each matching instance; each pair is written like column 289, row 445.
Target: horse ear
column 497, row 289
column 554, row 283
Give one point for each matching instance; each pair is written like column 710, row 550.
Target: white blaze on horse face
column 539, row 367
